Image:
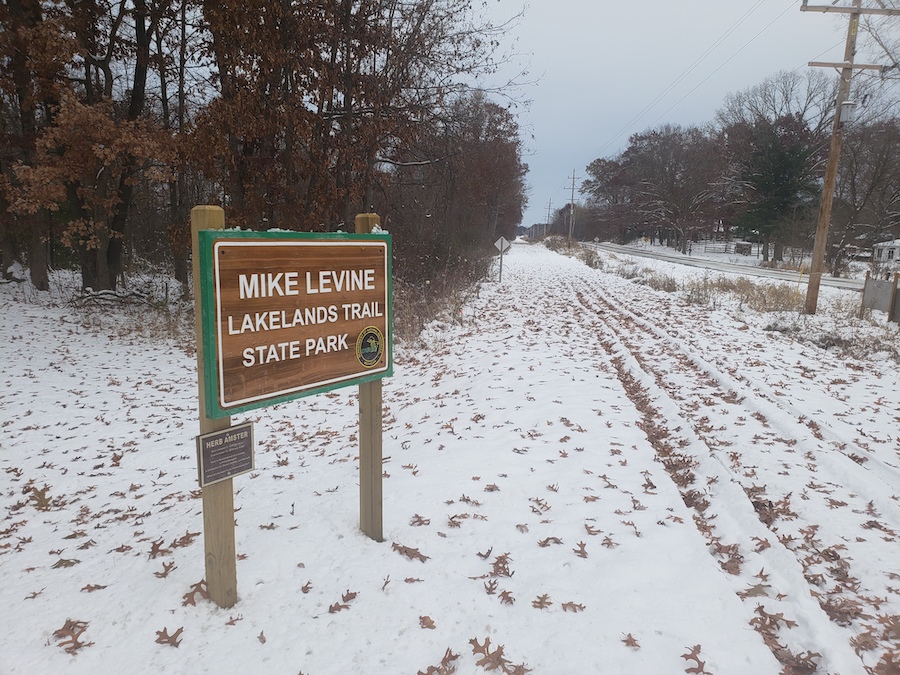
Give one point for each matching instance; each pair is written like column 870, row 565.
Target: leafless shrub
column 763, row 297
column 629, row 270
column 659, row 282
column 700, row 292
column 590, row 258
column 557, row 243
column 416, row 304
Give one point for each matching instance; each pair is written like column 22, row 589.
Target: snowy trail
column 584, row 471
column 847, row 575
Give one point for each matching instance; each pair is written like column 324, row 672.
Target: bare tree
column 867, row 203
column 809, row 96
column 675, row 172
column 314, row 96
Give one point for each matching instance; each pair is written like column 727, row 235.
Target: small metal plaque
column 225, row 454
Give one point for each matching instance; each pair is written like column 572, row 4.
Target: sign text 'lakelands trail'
column 295, row 313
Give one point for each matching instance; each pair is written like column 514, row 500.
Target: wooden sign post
column 218, row 498
column 370, row 435
column 280, row 315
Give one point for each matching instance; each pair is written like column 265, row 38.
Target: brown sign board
column 225, row 454
column 288, row 314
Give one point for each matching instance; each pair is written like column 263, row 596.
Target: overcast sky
column 609, row 68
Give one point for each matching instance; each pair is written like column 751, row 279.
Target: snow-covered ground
column 582, row 475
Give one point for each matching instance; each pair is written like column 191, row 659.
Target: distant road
column 747, row 270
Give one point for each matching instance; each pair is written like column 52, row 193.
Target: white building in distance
column 887, row 253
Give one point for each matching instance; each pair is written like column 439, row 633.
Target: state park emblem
column 369, row 346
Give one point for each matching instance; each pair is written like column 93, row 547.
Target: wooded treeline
column 118, row 116
column 754, row 173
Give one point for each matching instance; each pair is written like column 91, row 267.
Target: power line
column 818, row 56
column 694, row 65
column 690, row 69
column 723, row 64
column 678, row 80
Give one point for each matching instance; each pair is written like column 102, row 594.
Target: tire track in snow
column 686, row 386
column 781, row 415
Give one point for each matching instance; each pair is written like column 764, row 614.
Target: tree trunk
column 181, row 249
column 115, row 241
column 8, row 245
column 115, row 249
column 37, row 256
column 27, row 14
column 779, row 252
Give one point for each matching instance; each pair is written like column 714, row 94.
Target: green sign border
column 211, row 375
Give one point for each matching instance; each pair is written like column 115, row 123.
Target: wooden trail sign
column 281, row 315
column 288, row 314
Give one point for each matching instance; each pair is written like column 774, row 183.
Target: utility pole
column 837, row 136
column 572, row 209
column 547, row 223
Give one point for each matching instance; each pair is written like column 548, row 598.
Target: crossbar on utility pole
column 862, row 10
